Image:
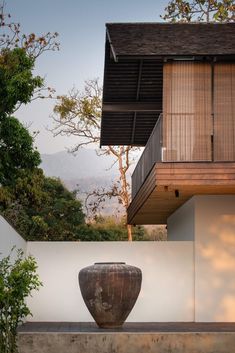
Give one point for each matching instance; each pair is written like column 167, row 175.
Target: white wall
column 210, row 219
column 168, row 278
column 181, row 224
column 215, row 258
column 9, row 238
column 182, row 280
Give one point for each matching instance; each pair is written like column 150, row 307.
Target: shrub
column 17, row 280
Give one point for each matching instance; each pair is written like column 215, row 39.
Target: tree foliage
column 109, row 229
column 18, row 86
column 18, row 52
column 17, row 280
column 17, row 81
column 16, row 150
column 200, row 11
column 11, row 36
column 41, row 208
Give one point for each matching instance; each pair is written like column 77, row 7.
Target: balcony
column 186, row 154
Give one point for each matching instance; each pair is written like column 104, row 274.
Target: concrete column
column 181, row 224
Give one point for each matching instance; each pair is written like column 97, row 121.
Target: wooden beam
column 131, row 107
column 133, row 129
column 111, row 47
column 137, row 98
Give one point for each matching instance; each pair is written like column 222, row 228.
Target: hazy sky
column 81, row 28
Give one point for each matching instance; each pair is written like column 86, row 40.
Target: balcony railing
column 176, row 137
column 150, row 155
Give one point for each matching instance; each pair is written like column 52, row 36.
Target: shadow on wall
column 217, row 262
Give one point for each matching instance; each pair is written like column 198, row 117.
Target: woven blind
column 224, row 112
column 187, row 123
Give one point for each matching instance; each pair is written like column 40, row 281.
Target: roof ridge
column 169, row 23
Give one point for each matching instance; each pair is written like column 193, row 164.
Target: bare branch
column 79, row 114
column 200, row 11
column 12, row 37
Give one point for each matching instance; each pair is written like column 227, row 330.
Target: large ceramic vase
column 110, row 290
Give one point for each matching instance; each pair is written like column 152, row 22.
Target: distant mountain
column 84, row 164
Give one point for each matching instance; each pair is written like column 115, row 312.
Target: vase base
column 110, row 326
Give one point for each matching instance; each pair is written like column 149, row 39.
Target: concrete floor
column 132, row 338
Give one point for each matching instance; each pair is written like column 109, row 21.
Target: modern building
column 171, row 88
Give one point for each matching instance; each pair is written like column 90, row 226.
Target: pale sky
column 81, row 28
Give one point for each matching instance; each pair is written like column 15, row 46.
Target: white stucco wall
column 215, row 258
column 168, row 278
column 182, row 280
column 181, row 224
column 9, row 238
column 210, row 220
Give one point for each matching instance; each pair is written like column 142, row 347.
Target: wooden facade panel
column 187, row 166
column 187, row 122
column 190, row 172
column 192, row 177
column 196, row 182
column 153, row 205
column 161, row 204
column 224, row 112
column 143, row 194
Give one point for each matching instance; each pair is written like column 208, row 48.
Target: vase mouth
column 109, row 263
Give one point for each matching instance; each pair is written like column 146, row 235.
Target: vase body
column 110, row 291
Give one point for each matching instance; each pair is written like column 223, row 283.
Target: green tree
column 200, row 11
column 18, row 53
column 41, row 208
column 18, row 85
column 108, row 229
column 17, row 81
column 16, row 150
column 17, row 280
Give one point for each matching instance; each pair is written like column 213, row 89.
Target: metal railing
column 151, row 154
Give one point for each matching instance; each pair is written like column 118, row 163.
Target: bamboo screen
column 187, row 123
column 224, row 112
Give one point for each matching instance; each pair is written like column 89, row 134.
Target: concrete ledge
column 126, row 342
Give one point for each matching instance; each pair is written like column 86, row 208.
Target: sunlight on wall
column 215, row 258
column 221, row 251
column 227, row 308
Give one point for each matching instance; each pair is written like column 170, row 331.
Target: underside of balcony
column 169, row 185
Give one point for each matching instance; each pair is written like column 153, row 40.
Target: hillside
column 84, row 171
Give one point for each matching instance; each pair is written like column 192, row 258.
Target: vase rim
column 109, row 263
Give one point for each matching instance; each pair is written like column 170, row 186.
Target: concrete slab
column 133, row 338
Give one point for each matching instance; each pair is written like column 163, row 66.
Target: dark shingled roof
column 135, row 54
column 172, row 39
